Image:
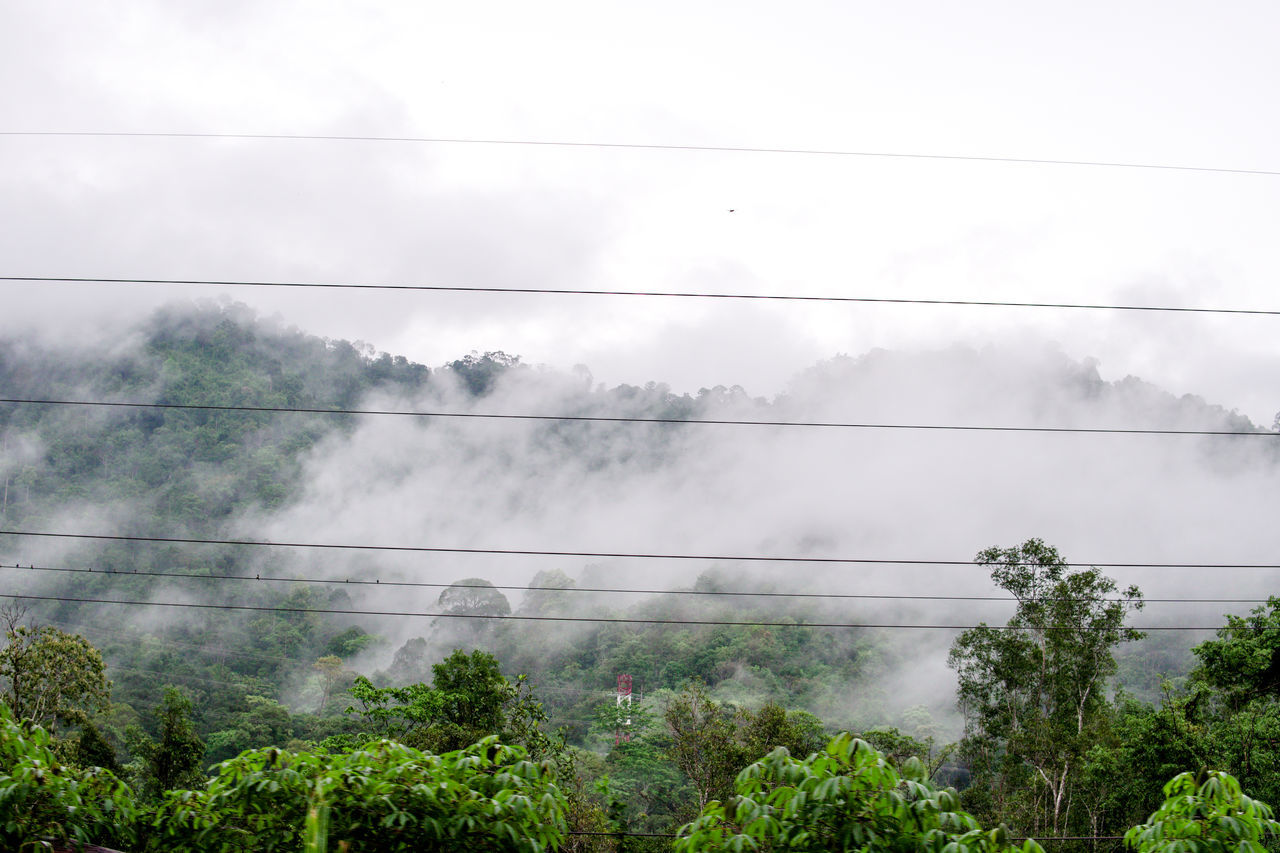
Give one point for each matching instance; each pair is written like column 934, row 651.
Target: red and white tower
column 622, row 732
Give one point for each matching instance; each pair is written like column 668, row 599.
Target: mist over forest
column 857, row 461
column 538, row 485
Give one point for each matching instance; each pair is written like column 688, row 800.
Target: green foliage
column 469, row 699
column 473, row 597
column 847, row 797
column 42, row 799
column 711, row 742
column 899, row 747
column 1033, row 692
column 173, row 759
column 263, row 722
column 479, row 373
column 93, row 750
column 1205, row 814
column 1244, row 662
column 48, row 676
column 386, row 797
column 702, row 734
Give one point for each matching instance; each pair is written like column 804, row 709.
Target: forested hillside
column 452, row 575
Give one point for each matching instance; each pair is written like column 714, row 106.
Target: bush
column 847, row 797
column 42, row 799
column 385, row 797
column 1206, row 815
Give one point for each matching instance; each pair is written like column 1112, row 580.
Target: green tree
column 411, row 663
column 641, row 789
column 1205, row 814
column 473, row 597
column 469, row 698
column 93, row 750
column 1033, row 692
column 332, row 673
column 43, row 801
column 385, row 797
column 175, row 757
column 48, row 676
column 702, row 739
column 846, row 797
column 1244, row 661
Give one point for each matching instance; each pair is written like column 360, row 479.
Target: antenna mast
column 622, row 731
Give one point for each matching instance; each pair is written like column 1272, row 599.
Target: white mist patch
column 828, row 493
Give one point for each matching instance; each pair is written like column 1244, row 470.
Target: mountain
column 234, row 442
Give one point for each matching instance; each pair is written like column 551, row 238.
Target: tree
column 710, row 742
column 474, row 690
column 174, row 760
column 385, row 796
column 702, row 734
column 410, row 664
column 1033, row 691
column 331, row 673
column 763, row 731
column 472, row 604
column 479, row 373
column 547, row 593
column 469, row 698
column 48, row 676
column 1244, row 662
column 1235, row 692
column 42, row 800
column 92, row 749
column 846, row 797
column 1205, row 814
column 473, row 597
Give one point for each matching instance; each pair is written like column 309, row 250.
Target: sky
column 1175, row 83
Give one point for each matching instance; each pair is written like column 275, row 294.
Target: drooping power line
column 688, row 593
column 647, row 293
column 528, row 552
column 128, row 404
column 623, row 620
column 636, row 146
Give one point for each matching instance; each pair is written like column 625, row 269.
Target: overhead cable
column 693, row 593
column 126, row 404
column 526, row 552
column 622, row 620
column 873, row 300
column 634, row 146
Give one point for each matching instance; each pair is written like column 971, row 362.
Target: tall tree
column 48, row 676
column 174, row 758
column 1033, row 691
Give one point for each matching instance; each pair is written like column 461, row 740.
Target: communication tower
column 622, row 731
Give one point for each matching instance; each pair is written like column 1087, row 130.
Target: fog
column 817, row 492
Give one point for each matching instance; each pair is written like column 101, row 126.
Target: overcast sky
column 1145, row 82
column 1173, row 83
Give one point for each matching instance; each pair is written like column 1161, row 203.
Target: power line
column 638, row 146
column 636, row 420
column 725, row 558
column 259, row 608
column 378, row 582
column 870, row 300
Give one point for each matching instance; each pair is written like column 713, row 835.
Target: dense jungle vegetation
column 290, row 720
